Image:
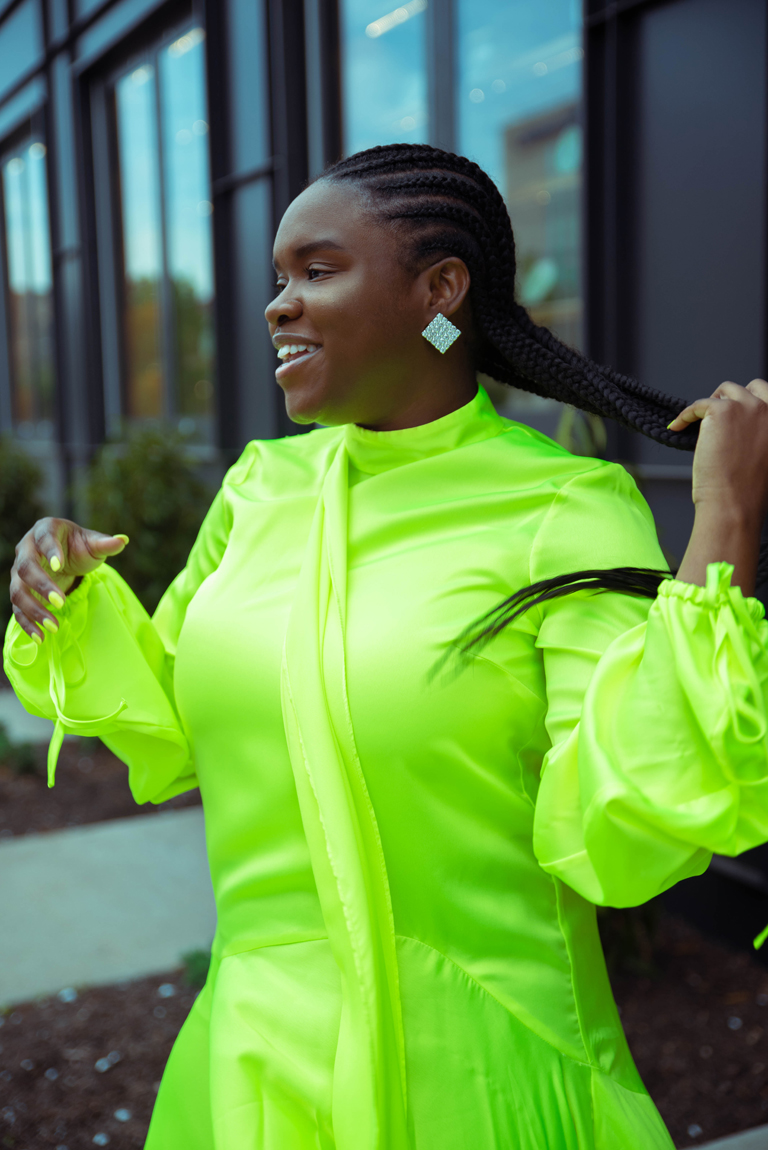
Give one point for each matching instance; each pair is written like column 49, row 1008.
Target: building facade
column 149, row 147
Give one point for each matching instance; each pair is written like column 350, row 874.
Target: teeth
column 295, row 349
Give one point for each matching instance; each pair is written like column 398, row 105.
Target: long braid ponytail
column 444, row 204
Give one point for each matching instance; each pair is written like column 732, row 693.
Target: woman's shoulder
column 293, row 461
column 539, row 460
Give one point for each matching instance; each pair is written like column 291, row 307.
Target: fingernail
column 50, row 625
column 37, row 638
column 56, row 599
column 124, row 538
column 669, row 425
column 55, row 564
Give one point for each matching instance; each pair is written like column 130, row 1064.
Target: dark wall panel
column 261, row 404
column 700, row 194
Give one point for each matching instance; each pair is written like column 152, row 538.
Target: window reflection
column 165, row 196
column 518, row 103
column 384, row 73
column 188, row 212
column 30, row 311
column 136, row 105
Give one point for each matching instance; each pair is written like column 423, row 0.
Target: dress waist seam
column 246, row 945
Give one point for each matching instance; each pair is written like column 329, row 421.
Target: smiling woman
column 406, row 864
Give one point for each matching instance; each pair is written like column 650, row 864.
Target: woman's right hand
column 49, row 559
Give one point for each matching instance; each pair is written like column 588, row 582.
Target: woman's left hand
column 730, row 480
column 730, row 465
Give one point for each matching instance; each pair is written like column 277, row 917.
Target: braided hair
column 442, row 204
column 445, row 204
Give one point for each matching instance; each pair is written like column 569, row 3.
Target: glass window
column 167, row 267
column 30, row 293
column 384, row 73
column 519, row 78
column 21, row 43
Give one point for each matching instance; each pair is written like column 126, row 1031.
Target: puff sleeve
column 108, row 671
column 657, row 719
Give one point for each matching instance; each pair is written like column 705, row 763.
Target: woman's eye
column 312, row 272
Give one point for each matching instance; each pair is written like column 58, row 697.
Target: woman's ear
column 448, row 283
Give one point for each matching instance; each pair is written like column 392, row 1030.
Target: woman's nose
column 282, row 309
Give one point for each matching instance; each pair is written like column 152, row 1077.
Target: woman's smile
column 294, row 355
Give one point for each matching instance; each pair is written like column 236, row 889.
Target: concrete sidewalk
column 756, row 1139
column 21, row 726
column 102, row 903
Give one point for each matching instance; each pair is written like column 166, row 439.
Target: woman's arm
column 730, row 481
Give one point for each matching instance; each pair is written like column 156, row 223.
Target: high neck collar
column 372, row 452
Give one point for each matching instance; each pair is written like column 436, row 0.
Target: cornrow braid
column 445, row 203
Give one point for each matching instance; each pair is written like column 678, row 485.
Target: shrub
column 20, row 480
column 20, row 757
column 148, row 490
column 196, row 965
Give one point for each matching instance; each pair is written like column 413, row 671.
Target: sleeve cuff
column 717, row 593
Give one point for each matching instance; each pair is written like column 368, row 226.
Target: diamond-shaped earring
column 441, row 333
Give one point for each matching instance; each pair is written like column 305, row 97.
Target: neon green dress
column 405, row 868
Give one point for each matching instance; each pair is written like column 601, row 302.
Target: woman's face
column 346, row 298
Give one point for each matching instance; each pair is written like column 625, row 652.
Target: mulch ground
column 82, row 1069
column 698, row 1031
column 696, row 1020
column 91, row 787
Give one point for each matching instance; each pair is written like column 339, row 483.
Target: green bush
column 148, row 490
column 20, row 757
column 20, row 480
column 196, row 965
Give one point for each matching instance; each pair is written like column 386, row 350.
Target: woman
column 406, row 864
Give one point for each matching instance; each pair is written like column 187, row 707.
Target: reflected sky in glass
column 517, row 59
column 136, row 114
column 185, row 128
column 384, row 73
column 25, row 196
column 162, row 128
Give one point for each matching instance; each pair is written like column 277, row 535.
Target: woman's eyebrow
column 312, row 247
column 317, row 246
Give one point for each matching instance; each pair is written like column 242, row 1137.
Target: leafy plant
column 629, row 937
column 20, row 757
column 20, row 480
column 196, row 966
column 147, row 489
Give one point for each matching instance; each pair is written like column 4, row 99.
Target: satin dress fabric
column 406, row 854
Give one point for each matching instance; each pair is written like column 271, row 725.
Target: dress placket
column 369, row 1097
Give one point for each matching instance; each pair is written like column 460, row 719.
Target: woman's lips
column 294, row 362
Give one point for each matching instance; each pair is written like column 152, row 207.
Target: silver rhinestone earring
column 441, row 333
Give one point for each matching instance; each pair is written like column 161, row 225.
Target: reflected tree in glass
column 25, row 199
column 165, row 197
column 188, row 209
column 139, row 173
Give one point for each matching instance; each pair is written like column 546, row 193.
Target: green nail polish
column 37, row 638
column 50, row 625
column 55, row 563
column 56, row 599
column 124, row 538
